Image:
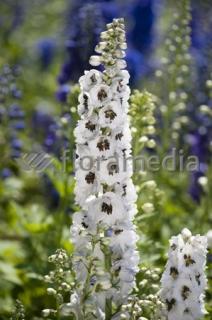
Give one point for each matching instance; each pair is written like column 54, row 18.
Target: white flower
column 127, row 191
column 86, row 129
column 84, row 107
column 184, row 281
column 209, row 238
column 107, row 209
column 148, row 207
column 87, row 183
column 102, row 147
column 119, row 85
column 122, row 139
column 91, row 78
column 100, row 95
column 95, row 61
column 111, row 115
column 113, row 170
column 123, row 237
column 102, row 232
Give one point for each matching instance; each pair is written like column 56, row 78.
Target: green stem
column 108, row 309
column 108, row 302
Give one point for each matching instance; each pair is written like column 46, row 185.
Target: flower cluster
column 10, row 112
column 184, row 281
column 174, row 75
column 145, row 303
column 105, row 258
column 143, row 122
column 200, row 141
column 19, row 312
column 59, row 281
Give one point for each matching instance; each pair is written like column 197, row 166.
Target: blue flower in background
column 5, row 173
column 136, row 65
column 202, row 45
column 45, row 127
column 52, row 195
column 11, row 17
column 47, row 130
column 62, row 92
column 46, row 50
column 143, row 17
column 86, row 21
column 199, row 142
column 12, row 117
column 85, row 27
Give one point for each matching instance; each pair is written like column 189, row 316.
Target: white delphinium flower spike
column 184, row 280
column 105, row 258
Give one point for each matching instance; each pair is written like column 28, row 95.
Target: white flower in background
column 105, row 258
column 209, row 238
column 184, row 281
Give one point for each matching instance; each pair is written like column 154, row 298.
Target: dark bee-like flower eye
column 107, row 208
column 102, row 95
column 90, row 177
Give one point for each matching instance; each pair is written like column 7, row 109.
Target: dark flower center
column 90, row 177
column 197, row 277
column 107, row 208
column 113, row 168
column 124, row 190
column 173, row 246
column 110, row 114
column 118, row 231
column 84, row 225
column 85, row 102
column 174, row 272
column 90, row 126
column 170, row 303
column 93, row 78
column 188, row 260
column 118, row 136
column 102, row 94
column 103, row 145
column 185, row 292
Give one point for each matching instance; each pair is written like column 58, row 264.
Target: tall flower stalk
column 174, row 76
column 105, row 258
column 184, row 281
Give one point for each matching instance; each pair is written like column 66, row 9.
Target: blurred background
column 45, row 48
